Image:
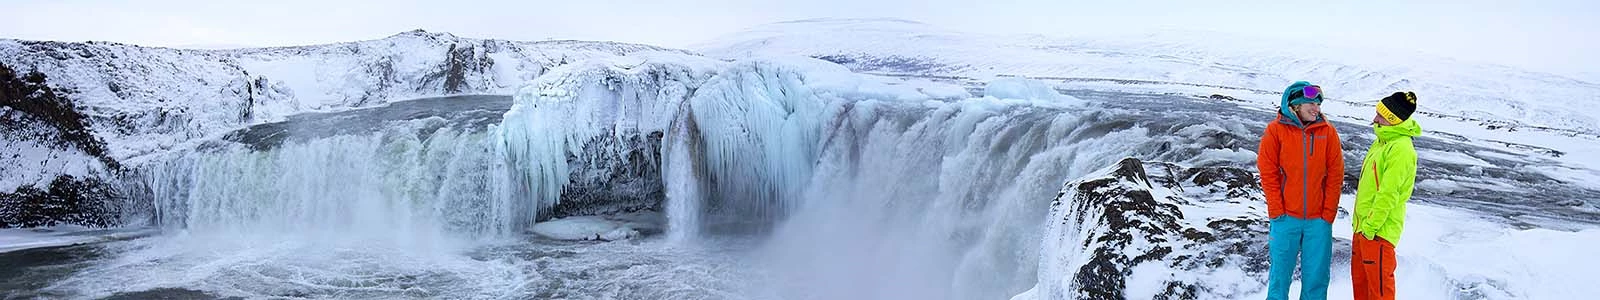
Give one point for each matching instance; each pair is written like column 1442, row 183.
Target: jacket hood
column 1283, row 105
column 1409, row 128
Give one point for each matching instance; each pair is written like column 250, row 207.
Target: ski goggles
column 1309, row 92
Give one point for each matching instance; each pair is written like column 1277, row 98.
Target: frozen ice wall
column 866, row 189
column 742, row 139
column 576, row 114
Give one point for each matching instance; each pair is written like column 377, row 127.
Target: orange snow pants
column 1372, row 268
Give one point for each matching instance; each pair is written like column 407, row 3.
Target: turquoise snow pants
column 1307, row 241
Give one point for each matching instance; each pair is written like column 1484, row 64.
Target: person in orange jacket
column 1302, row 174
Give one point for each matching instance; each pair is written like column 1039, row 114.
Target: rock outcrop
column 1151, row 230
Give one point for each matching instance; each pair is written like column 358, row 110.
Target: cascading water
column 934, row 200
column 415, row 181
column 869, row 193
column 396, row 183
column 376, row 203
column 684, row 188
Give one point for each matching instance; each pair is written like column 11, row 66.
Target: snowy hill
column 142, row 99
column 1591, row 77
column 135, row 101
column 1479, row 91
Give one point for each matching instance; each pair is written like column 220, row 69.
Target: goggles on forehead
column 1309, row 92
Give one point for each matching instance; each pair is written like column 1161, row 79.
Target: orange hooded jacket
column 1302, row 169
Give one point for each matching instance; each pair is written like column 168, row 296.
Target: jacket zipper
column 1305, row 176
column 1377, row 182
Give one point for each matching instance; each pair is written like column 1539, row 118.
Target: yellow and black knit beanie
column 1398, row 107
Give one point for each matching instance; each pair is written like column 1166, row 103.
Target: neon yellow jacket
column 1388, row 174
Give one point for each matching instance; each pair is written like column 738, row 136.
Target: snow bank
column 25, row 155
column 13, row 239
column 603, row 228
column 1024, row 88
column 935, row 89
column 1446, row 253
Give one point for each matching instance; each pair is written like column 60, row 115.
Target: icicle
column 760, row 124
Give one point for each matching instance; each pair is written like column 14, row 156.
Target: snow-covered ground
column 1447, row 250
column 1444, row 85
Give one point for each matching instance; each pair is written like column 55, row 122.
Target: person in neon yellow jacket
column 1388, row 174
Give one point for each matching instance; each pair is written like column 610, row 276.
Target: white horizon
column 1545, row 36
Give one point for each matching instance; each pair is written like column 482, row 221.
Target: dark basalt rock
column 1133, row 214
column 68, row 200
column 612, row 182
column 31, row 111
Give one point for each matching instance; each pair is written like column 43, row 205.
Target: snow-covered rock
column 599, row 228
column 1139, row 230
column 142, row 100
column 43, row 131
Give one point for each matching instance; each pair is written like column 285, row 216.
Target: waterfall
column 410, row 182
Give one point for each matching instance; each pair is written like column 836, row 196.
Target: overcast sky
column 1551, row 36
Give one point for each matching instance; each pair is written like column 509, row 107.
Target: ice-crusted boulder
column 1152, row 230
